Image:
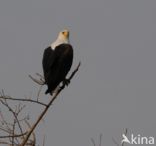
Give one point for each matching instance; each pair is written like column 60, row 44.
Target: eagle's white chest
column 58, row 42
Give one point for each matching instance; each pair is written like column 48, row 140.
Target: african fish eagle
column 57, row 61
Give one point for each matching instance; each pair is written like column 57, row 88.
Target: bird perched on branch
column 57, row 61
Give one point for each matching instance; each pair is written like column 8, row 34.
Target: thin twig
column 15, row 135
column 93, row 142
column 40, row 82
column 19, row 99
column 44, row 141
column 14, row 114
column 13, row 129
column 41, row 77
column 100, row 140
column 38, row 94
column 6, row 143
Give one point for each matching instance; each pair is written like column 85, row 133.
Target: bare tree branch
column 38, row 94
column 13, row 131
column 93, row 142
column 19, row 99
column 15, row 135
column 43, row 141
column 100, row 140
column 115, row 142
column 21, row 138
column 40, row 82
column 33, row 141
column 47, row 107
column 13, row 113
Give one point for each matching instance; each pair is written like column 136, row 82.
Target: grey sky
column 115, row 87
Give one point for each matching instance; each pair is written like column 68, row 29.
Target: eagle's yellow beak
column 66, row 33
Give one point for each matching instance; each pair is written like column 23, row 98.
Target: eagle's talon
column 66, row 82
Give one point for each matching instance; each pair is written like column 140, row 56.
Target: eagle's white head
column 63, row 38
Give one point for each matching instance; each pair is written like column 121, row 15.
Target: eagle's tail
column 47, row 91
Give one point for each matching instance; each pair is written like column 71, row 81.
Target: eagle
column 57, row 61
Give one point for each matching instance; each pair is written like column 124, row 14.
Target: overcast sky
column 115, row 87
